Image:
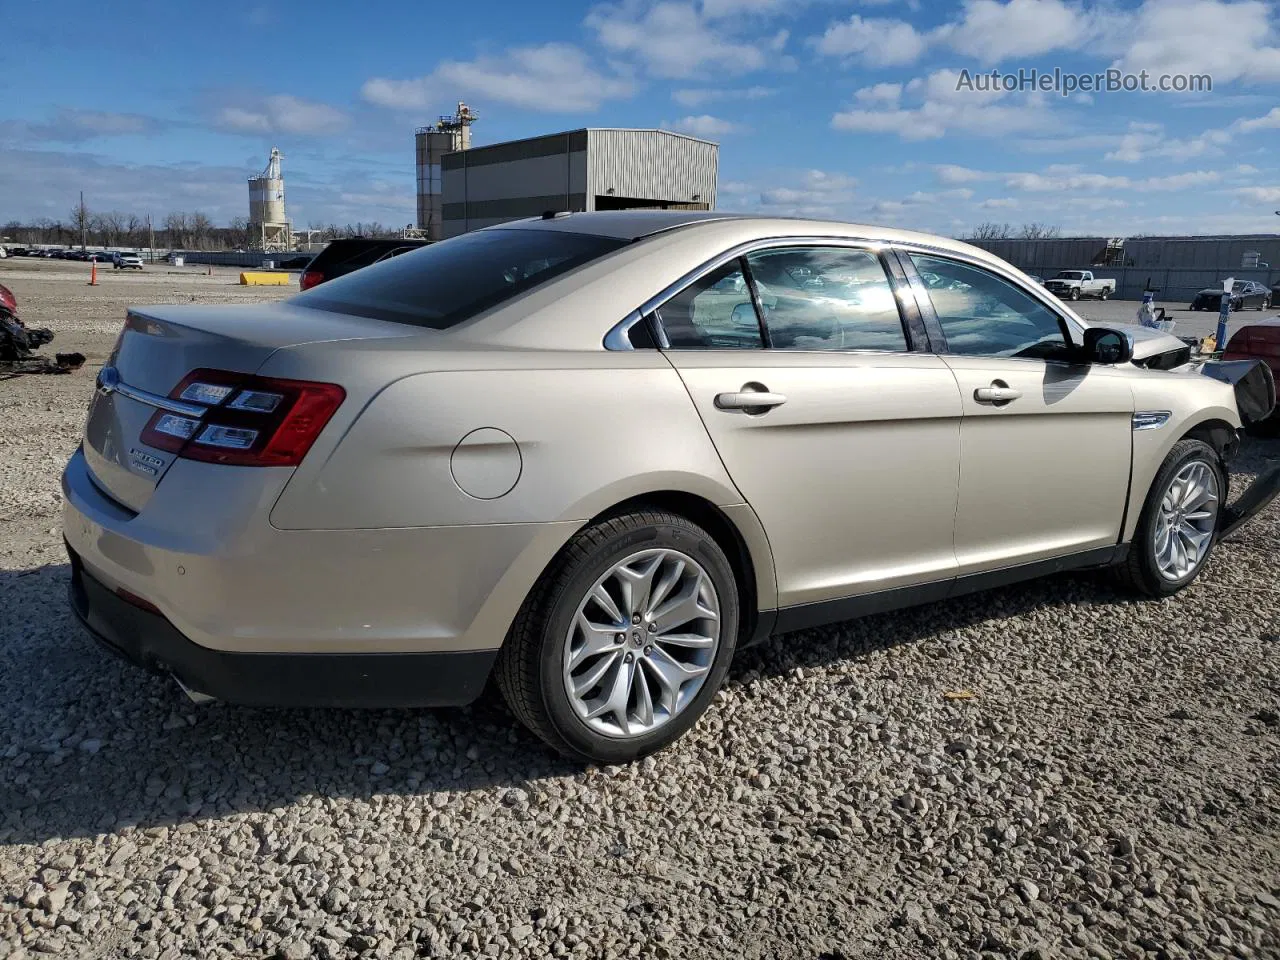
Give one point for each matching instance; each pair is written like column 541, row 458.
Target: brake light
column 310, row 278
column 248, row 421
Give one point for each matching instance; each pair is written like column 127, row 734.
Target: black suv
column 350, row 254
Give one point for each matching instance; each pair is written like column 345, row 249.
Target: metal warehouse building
column 1175, row 267
column 589, row 169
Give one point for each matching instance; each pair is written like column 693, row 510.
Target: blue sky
column 822, row 107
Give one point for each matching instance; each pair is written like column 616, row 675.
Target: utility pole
column 151, row 241
column 83, row 221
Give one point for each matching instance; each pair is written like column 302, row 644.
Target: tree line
column 177, row 231
column 1007, row 231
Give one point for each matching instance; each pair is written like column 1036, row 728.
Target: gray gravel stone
column 1109, row 791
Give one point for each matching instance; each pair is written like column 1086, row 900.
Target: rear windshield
column 448, row 282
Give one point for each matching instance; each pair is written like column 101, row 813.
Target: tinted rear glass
column 445, row 283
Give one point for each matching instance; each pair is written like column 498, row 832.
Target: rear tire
column 1149, row 569
column 1105, row 294
column 547, row 659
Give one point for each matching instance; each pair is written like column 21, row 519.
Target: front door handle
column 999, row 393
column 752, row 398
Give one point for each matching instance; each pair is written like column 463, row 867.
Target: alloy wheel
column 642, row 643
column 1186, row 521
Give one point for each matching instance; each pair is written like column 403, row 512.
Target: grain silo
column 269, row 228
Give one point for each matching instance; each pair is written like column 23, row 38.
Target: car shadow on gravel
column 89, row 744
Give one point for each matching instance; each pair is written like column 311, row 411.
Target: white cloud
column 817, row 193
column 705, row 126
column 1229, row 41
column 554, row 77
column 676, row 40
column 283, row 113
column 881, row 93
column 953, row 173
column 1071, row 179
column 1269, row 121
column 697, row 96
column 944, row 109
column 998, row 203
column 77, row 126
column 992, row 32
column 1266, row 195
column 873, row 41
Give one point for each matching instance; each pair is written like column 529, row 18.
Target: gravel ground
column 1111, row 788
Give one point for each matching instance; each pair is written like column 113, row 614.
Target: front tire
column 1178, row 527
column 1075, row 293
column 624, row 641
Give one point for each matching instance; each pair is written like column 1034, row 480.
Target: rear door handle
column 750, row 400
column 997, row 393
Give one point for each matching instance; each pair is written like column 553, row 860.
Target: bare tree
column 1039, row 231
column 201, row 227
column 109, row 227
column 80, row 220
column 176, row 228
column 133, row 225
column 238, row 233
column 991, row 231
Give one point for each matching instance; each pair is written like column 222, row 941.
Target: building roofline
column 587, row 130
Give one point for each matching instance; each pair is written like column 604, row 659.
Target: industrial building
column 269, row 228
column 577, row 170
column 1174, row 267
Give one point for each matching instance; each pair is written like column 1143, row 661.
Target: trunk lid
column 159, row 346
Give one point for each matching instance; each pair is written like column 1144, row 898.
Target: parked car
column 19, row 252
column 1244, row 294
column 349, row 254
column 556, row 451
column 127, row 261
column 1037, row 278
column 1074, row 284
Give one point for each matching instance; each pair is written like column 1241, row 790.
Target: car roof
column 639, row 224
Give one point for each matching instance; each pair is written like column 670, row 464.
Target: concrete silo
column 269, row 228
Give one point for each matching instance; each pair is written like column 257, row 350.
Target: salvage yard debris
column 18, row 341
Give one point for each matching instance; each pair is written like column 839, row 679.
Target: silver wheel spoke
column 588, row 680
column 684, row 607
column 601, row 596
column 1184, row 526
column 664, row 607
column 594, row 639
column 637, row 583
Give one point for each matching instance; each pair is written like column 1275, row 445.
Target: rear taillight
column 247, row 421
column 310, row 278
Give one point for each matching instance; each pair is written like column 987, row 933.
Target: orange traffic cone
column 93, row 273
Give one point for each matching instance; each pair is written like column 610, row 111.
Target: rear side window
column 826, row 298
column 443, row 284
column 714, row 312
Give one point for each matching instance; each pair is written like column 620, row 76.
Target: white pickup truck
column 1074, row 284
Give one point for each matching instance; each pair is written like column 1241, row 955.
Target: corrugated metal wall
column 1200, row 253
column 652, row 164
column 1036, row 256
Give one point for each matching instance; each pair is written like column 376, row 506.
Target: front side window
column 442, row 284
column 982, row 314
column 713, row 313
column 826, row 298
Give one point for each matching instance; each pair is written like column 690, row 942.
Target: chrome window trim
column 619, row 338
column 655, row 302
column 1035, row 291
column 615, row 339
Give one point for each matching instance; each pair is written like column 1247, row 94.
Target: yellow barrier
column 255, row 279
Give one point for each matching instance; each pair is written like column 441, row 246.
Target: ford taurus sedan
column 592, row 455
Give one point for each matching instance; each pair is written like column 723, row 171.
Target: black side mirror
column 1106, row 346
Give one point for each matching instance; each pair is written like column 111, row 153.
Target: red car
column 1259, row 341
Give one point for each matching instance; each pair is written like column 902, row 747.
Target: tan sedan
column 595, row 454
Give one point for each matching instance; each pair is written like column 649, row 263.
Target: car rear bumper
column 146, row 639
column 203, row 552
